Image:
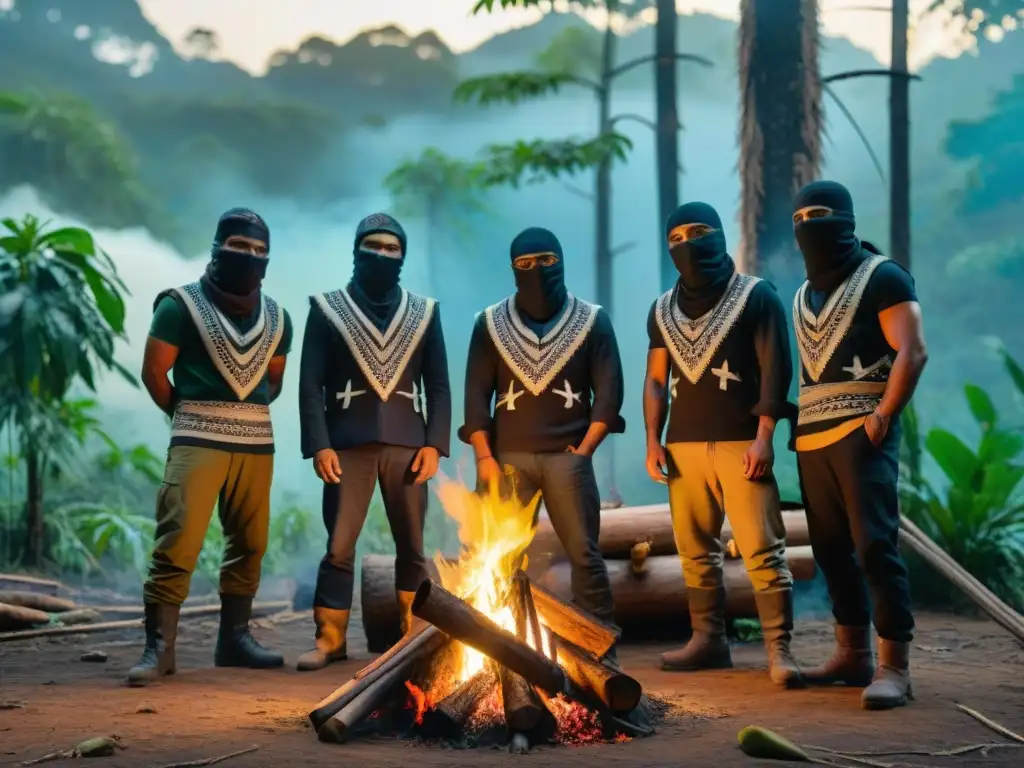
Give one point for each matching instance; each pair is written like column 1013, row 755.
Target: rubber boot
column 891, row 686
column 236, row 647
column 331, row 631
column 405, row 609
column 775, row 609
column 851, row 662
column 708, row 647
column 158, row 655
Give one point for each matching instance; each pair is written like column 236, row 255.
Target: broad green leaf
column 999, row 446
column 72, row 239
column 953, row 457
column 512, row 87
column 982, row 408
column 1013, row 368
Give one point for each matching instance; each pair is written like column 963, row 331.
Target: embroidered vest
column 844, row 357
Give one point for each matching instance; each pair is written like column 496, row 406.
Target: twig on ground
column 98, row 746
column 211, row 760
column 951, row 752
column 991, row 724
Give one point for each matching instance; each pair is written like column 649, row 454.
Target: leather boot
column 405, row 609
column 891, row 685
column 331, row 630
column 236, row 647
column 708, row 647
column 158, row 656
column 775, row 610
column 851, row 662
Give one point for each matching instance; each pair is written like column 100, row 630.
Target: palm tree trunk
column 780, row 126
column 899, row 139
column 34, row 527
column 665, row 92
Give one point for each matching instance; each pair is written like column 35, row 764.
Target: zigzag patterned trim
column 845, row 400
column 693, row 343
column 534, row 361
column 382, row 357
column 819, row 336
column 241, row 359
column 245, row 424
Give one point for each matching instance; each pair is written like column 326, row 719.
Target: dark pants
column 569, row 489
column 849, row 491
column 345, row 506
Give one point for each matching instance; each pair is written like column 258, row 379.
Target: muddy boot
column 851, row 662
column 405, row 609
column 236, row 647
column 331, row 629
column 775, row 610
column 158, row 655
column 891, row 685
column 708, row 647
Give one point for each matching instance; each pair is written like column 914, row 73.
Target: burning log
column 625, row 527
column 661, row 594
column 572, row 624
column 381, row 619
column 361, row 695
column 523, row 710
column 452, row 712
column 461, row 621
column 617, row 691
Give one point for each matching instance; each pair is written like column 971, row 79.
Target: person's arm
column 606, row 382
column 162, row 347
column 437, row 387
column 655, row 382
column 481, row 375
column 775, row 367
column 275, row 369
column 312, row 377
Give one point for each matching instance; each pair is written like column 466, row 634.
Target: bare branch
column 629, row 116
column 621, row 248
column 577, row 191
column 625, row 67
column 855, row 73
column 856, row 127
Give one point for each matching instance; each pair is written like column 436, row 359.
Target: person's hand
column 758, row 459
column 327, row 466
column 877, row 426
column 425, row 464
column 578, row 450
column 657, row 465
column 488, row 471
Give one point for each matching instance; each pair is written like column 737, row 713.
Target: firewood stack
column 540, row 676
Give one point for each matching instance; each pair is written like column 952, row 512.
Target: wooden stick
column 991, row 724
column 37, row 600
column 995, row 608
column 211, row 760
column 22, row 583
column 618, row 691
column 338, row 727
column 569, row 622
column 415, row 631
column 451, row 713
column 522, row 582
column 28, row 634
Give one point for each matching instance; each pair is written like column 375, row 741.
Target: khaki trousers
column 196, row 479
column 706, row 484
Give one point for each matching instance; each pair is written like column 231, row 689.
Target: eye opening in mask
column 686, row 232
column 532, row 260
column 383, row 244
column 244, row 244
column 812, row 212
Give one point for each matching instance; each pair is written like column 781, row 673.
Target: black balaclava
column 234, row 278
column 375, row 277
column 831, row 249
column 705, row 266
column 540, row 292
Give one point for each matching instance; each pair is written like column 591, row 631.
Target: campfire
column 491, row 656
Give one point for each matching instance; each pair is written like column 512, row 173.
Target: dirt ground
column 53, row 700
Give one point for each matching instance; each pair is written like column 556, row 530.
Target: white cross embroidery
column 857, row 370
column 725, row 376
column 418, row 398
column 567, row 393
column 348, row 394
column 509, row 398
column 672, row 381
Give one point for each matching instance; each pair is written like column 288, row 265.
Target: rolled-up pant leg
column 405, row 504
column 695, row 502
column 245, row 517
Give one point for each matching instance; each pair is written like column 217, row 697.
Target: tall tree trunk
column 603, row 184
column 665, row 92
column 34, row 528
column 780, row 126
column 899, row 138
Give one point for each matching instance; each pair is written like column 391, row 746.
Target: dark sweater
column 730, row 367
column 400, row 393
column 548, row 391
column 845, row 358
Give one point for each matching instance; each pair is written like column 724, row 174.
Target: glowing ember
column 418, row 700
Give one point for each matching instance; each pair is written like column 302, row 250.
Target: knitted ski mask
column 824, row 225
column 704, row 264
column 540, row 291
column 375, row 274
column 237, row 272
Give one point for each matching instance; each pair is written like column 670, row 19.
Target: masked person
column 553, row 363
column 224, row 341
column 375, row 406
column 719, row 366
column 862, row 351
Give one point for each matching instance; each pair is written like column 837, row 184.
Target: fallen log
column 572, row 624
column 661, row 594
column 616, row 690
column 461, row 621
column 448, row 717
column 380, row 614
column 337, row 728
column 20, row 583
column 77, row 617
column 16, row 617
column 258, row 609
column 36, row 600
column 406, row 653
column 935, row 556
column 624, row 527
